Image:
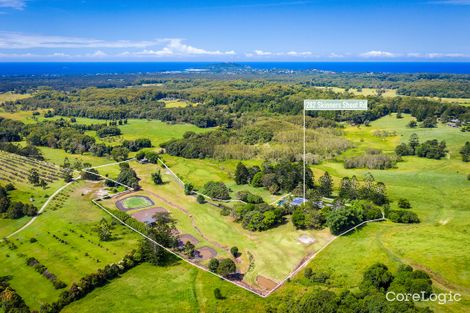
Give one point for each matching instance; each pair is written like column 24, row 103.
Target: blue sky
column 258, row 30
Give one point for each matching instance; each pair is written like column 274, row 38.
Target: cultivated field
column 16, row 169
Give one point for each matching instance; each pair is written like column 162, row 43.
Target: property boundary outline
column 257, row 292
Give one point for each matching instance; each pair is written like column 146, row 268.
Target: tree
column 298, row 218
column 67, row 175
column 377, row 276
column 104, row 230
column 213, row 265
column 90, row 174
column 218, row 294
column 326, row 185
column 234, row 251
column 200, row 199
column 318, row 301
column 413, row 142
column 465, row 152
column 188, row 249
column 120, row 154
column 241, row 174
column 343, row 219
column 188, row 189
column 404, row 203
column 257, row 180
column 33, row 177
column 157, row 178
column 128, row 176
column 226, row 267
column 42, row 183
column 217, row 190
column 412, row 124
column 403, row 149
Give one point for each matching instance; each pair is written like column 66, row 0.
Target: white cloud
column 377, row 54
column 336, row 55
column 263, row 53
column 155, row 47
column 13, row 4
column 9, row 40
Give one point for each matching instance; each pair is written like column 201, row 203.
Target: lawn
column 66, row 244
column 136, row 203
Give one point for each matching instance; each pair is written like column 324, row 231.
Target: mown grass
column 71, row 217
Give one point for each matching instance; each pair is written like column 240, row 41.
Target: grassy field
column 70, row 217
column 198, row 172
column 179, row 288
column 437, row 190
column 176, row 103
column 10, row 96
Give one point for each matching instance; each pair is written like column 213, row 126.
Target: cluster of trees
column 10, row 130
column 14, row 210
column 197, row 146
column 258, row 217
column 373, row 159
column 127, row 176
column 136, row 145
column 370, row 297
column 27, row 151
column 223, row 267
column 283, row 176
column 42, row 269
column 431, row 149
column 402, row 216
column 10, row 300
column 216, row 190
column 152, row 157
column 108, row 131
column 104, row 230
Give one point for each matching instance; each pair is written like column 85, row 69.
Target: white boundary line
column 254, row 291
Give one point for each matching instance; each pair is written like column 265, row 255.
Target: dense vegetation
column 377, row 281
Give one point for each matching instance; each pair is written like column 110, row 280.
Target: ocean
column 92, row 68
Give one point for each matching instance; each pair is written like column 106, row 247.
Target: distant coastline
column 96, row 68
